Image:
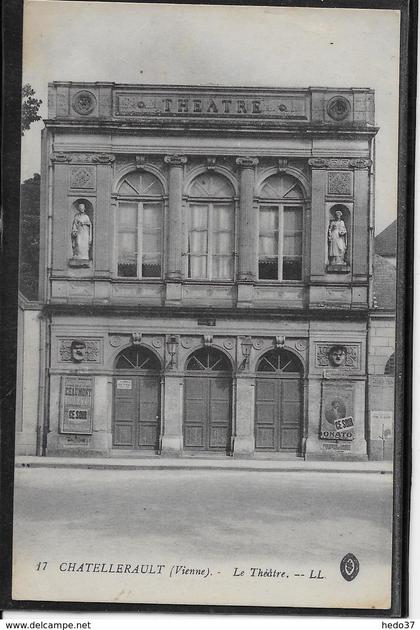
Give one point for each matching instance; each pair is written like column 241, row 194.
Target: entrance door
column 136, row 402
column 278, row 413
column 208, row 408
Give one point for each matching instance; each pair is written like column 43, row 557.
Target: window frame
column 210, row 202
column 281, row 206
column 140, row 201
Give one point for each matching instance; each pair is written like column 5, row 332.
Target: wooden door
column 136, row 412
column 207, row 414
column 278, row 414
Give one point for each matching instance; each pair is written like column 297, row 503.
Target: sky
column 219, row 45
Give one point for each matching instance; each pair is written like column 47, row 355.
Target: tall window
column 280, row 245
column 211, row 220
column 140, row 226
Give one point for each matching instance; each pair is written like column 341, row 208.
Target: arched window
column 211, row 220
column 208, row 360
column 140, row 226
column 390, row 366
column 137, row 358
column 280, row 246
column 279, row 361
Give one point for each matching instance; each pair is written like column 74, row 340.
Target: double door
column 136, row 412
column 278, row 414
column 208, row 413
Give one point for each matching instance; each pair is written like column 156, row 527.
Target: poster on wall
column 208, row 290
column 77, row 404
column 337, row 421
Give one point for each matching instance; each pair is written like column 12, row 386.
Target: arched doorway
column 278, row 413
column 208, row 401
column 136, row 400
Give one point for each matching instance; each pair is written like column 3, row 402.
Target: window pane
column 127, row 216
column 268, row 243
column 292, row 218
column 292, row 268
column 197, row 267
column 152, row 241
column 198, row 241
column 268, row 269
column 222, row 267
column 127, row 254
column 269, row 219
column 292, row 243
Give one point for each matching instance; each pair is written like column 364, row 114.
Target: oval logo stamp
column 349, row 567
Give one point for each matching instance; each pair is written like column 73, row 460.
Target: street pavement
column 245, row 518
column 214, row 512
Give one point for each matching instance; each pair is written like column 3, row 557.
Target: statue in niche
column 81, row 233
column 337, row 240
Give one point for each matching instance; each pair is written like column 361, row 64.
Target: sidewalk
column 190, row 463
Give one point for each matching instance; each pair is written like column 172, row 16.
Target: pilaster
column 247, row 267
column 174, row 238
column 102, row 220
column 244, row 440
column 172, row 440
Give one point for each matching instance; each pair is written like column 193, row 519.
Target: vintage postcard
column 207, row 306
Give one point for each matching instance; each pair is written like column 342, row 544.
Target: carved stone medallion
column 115, row 341
column 156, row 342
column 84, row 102
column 301, row 345
column 228, row 344
column 258, row 344
column 186, row 342
column 338, row 108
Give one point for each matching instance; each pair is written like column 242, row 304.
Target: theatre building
column 206, row 272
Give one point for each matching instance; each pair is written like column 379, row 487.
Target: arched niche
column 338, row 237
column 81, row 232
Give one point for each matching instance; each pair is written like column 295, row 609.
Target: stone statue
column 81, row 234
column 337, row 240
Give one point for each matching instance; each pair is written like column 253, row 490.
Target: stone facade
column 181, row 275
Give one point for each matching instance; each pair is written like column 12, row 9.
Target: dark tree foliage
column 29, row 237
column 30, row 107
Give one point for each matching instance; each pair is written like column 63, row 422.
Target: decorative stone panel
column 339, row 183
column 351, row 359
column 93, row 353
column 82, row 177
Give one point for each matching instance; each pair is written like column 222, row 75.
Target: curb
column 200, row 465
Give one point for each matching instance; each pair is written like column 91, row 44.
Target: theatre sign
column 352, row 107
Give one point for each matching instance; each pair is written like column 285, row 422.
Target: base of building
column 25, row 443
column 323, row 450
